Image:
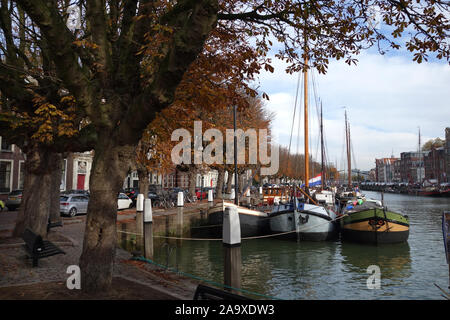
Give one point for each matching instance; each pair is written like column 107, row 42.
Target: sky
column 387, row 99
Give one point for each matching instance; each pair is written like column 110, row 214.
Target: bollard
column 140, row 202
column 231, row 239
column 180, row 200
column 179, row 234
column 139, row 221
column 148, row 229
column 210, row 196
column 231, row 230
column 148, row 214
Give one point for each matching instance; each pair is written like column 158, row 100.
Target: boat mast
column 420, row 162
column 349, row 161
column 305, row 88
column 322, row 148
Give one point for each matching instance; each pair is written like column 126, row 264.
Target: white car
column 123, row 201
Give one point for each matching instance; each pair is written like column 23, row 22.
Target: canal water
column 294, row 270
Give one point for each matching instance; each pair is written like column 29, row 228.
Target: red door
column 80, row 181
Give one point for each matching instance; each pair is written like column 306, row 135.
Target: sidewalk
column 132, row 279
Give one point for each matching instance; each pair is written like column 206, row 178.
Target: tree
column 433, row 144
column 37, row 116
column 128, row 58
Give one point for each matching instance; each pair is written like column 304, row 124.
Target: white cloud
column 387, row 99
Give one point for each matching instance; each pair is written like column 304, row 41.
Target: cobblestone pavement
column 16, row 269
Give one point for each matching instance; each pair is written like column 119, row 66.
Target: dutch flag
column 315, row 181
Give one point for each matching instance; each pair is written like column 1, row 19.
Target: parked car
column 132, row 193
column 204, row 194
column 77, row 191
column 123, row 201
column 14, row 199
column 73, row 204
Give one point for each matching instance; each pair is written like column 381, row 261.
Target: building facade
column 412, row 166
column 76, row 171
column 435, row 167
column 12, row 161
column 385, row 170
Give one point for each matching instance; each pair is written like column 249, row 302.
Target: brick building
column 412, row 166
column 11, row 168
column 385, row 169
column 434, row 163
column 76, row 171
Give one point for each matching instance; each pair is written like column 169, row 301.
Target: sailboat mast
column 322, row 148
column 420, row 162
column 305, row 88
column 349, row 161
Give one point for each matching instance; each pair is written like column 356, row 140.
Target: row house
column 12, row 161
column 412, row 166
column 76, row 171
column 434, row 163
column 385, row 170
column 173, row 179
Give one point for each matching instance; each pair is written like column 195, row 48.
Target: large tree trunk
column 220, row 183
column 109, row 169
column 229, row 181
column 40, row 164
column 55, row 212
column 241, row 177
column 143, row 180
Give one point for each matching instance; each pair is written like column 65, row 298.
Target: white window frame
column 18, row 177
column 64, row 176
column 11, row 177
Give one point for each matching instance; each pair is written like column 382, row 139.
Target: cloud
column 386, row 98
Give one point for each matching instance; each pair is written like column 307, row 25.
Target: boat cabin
column 273, row 195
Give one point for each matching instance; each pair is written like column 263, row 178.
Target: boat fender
column 304, row 220
column 349, row 207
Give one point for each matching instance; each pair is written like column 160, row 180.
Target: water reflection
column 311, row 270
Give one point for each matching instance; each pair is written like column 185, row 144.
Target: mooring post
column 180, row 199
column 210, row 196
column 231, row 239
column 179, row 241
column 148, row 229
column 139, row 221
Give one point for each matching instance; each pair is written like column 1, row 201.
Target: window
column 5, row 146
column 5, row 176
column 21, row 174
column 82, row 165
column 63, row 176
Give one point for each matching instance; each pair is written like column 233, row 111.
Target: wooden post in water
column 148, row 229
column 236, row 177
column 231, row 239
column 446, row 233
column 179, row 235
column 139, row 222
